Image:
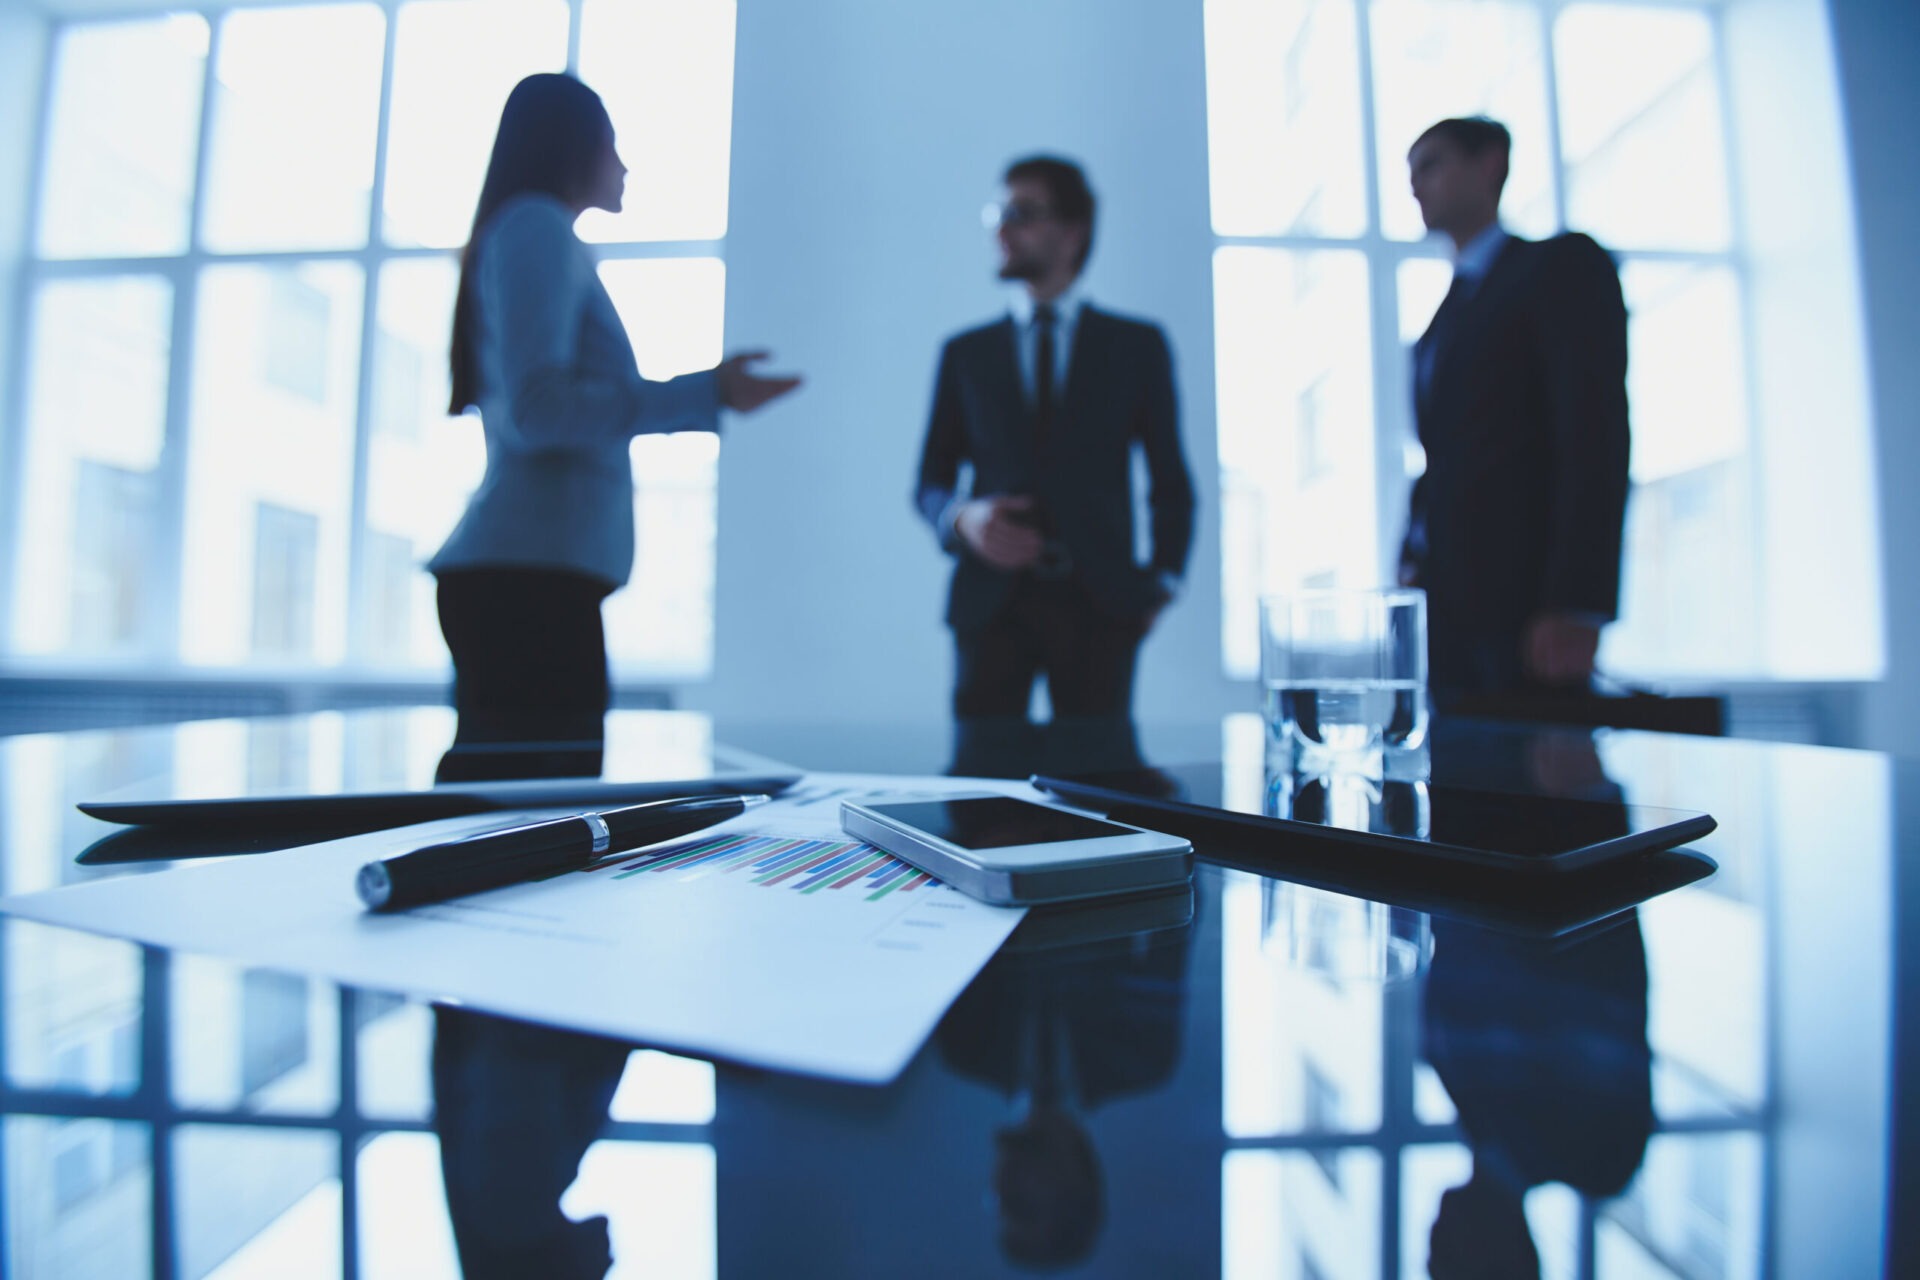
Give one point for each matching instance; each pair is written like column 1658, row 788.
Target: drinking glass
column 1344, row 673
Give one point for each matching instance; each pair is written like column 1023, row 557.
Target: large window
column 1323, row 278
column 233, row 445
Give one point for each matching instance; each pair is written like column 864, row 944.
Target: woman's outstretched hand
column 743, row 390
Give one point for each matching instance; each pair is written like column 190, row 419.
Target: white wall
column 867, row 135
column 1812, row 417
column 1877, row 47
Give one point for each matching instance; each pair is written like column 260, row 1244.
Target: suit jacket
column 1119, row 393
column 1524, row 421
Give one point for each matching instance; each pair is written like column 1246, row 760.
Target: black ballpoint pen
column 499, row 858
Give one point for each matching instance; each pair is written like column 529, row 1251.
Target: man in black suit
column 1046, row 406
column 1520, row 397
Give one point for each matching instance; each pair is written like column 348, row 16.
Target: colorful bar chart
column 805, row 866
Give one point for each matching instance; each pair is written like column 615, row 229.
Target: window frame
column 157, row 650
column 1391, row 360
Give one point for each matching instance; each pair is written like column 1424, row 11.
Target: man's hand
column 743, row 390
column 1559, row 648
column 997, row 533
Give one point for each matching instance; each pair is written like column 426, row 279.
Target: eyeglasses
column 1014, row 213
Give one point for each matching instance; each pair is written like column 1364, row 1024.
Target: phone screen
column 997, row 822
column 1515, row 824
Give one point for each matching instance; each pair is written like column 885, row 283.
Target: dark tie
column 1043, row 322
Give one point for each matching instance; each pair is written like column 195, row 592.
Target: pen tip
column 749, row 802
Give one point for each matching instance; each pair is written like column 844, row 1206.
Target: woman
column 540, row 351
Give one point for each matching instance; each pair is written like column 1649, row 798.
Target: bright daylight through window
column 1323, row 279
column 235, row 446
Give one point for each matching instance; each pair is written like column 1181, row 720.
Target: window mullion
column 1754, row 457
column 13, row 414
column 1550, row 73
column 1392, row 423
column 359, row 595
column 167, row 555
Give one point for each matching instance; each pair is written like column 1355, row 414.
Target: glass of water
column 1344, row 673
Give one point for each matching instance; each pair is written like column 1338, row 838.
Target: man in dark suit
column 1045, row 407
column 1520, row 397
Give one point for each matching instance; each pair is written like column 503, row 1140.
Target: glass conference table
column 1270, row 1077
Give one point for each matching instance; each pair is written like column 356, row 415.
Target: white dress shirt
column 1066, row 311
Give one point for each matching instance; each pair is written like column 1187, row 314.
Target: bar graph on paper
column 801, row 865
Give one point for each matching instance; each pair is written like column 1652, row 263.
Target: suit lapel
column 1089, row 332
column 1452, row 358
column 1003, row 372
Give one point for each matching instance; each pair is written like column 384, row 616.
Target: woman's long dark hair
column 553, row 132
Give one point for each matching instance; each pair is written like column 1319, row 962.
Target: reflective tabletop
column 1298, row 1069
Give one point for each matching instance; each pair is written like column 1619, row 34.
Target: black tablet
column 372, row 810
column 1529, row 834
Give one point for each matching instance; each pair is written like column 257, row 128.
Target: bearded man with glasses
column 1027, row 473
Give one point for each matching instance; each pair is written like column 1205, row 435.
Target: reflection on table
column 1253, row 1104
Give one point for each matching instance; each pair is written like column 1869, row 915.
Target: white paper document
column 773, row 939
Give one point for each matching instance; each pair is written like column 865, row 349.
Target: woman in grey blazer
column 539, row 350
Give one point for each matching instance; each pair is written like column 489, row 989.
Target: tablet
column 1527, row 834
column 377, row 809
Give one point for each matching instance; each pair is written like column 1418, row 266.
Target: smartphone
column 1530, row 834
column 1016, row 853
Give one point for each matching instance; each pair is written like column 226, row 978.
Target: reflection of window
column 273, row 1028
column 89, row 1156
column 127, row 1151
column 371, row 1006
column 298, row 321
column 71, row 1064
column 123, row 1050
column 277, row 755
column 286, row 545
column 1323, row 1116
column 112, row 536
column 76, row 1152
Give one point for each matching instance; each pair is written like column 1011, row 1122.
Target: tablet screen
column 1514, row 824
column 402, row 763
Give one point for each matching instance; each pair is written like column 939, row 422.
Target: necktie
column 1043, row 365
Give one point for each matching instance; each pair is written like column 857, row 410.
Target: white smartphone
column 1016, row 853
